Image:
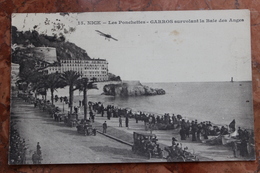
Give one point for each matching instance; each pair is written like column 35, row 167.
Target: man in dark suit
column 105, row 127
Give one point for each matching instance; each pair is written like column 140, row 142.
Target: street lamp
column 63, row 105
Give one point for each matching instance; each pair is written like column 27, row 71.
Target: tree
column 37, row 85
column 30, row 80
column 53, row 82
column 85, row 85
column 71, row 79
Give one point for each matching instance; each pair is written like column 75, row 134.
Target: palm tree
column 71, row 79
column 85, row 85
column 53, row 82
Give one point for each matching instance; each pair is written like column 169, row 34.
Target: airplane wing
column 101, row 33
column 106, row 35
column 114, row 39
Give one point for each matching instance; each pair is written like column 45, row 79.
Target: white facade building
column 15, row 68
column 93, row 68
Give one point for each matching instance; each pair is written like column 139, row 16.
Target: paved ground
column 62, row 144
column 205, row 152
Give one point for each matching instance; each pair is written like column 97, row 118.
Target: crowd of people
column 200, row 130
column 18, row 147
column 116, row 112
column 188, row 129
column 192, row 129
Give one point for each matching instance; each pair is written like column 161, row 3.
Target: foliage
column 71, row 78
column 84, row 85
column 53, row 82
column 65, row 49
column 112, row 77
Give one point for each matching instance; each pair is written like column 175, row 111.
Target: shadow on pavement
column 56, row 123
column 70, row 132
column 114, row 151
column 125, row 155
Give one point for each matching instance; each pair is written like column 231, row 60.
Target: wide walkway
column 205, row 152
column 62, row 144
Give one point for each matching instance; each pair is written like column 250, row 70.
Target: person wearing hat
column 183, row 133
column 126, row 121
column 105, row 127
column 240, row 132
column 34, row 158
column 187, row 129
column 38, row 148
column 193, row 130
column 173, row 141
column 120, row 121
column 171, row 149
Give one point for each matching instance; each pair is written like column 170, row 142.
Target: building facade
column 15, row 68
column 93, row 68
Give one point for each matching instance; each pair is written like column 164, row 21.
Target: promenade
column 203, row 151
column 62, row 144
column 37, row 126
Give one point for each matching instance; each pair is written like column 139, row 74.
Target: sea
column 218, row 102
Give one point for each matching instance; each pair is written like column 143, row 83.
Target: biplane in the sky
column 107, row 36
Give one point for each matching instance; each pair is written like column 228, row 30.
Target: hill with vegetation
column 65, row 49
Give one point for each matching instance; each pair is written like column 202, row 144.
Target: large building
column 93, row 68
column 15, row 68
column 48, row 63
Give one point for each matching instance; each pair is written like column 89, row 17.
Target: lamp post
column 63, row 105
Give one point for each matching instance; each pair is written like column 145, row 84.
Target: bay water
column 218, row 102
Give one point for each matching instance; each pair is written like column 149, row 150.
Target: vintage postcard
column 124, row 87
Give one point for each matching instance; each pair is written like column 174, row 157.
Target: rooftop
column 86, row 59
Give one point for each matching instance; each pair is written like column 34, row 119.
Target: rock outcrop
column 131, row 88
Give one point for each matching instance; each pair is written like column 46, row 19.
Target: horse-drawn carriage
column 86, row 128
column 71, row 120
column 146, row 144
column 52, row 110
column 59, row 117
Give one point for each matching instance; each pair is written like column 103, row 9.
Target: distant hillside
column 65, row 50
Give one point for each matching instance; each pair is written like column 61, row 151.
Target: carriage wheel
column 161, row 155
column 191, row 158
column 169, row 159
column 180, row 159
column 196, row 158
column 149, row 155
column 133, row 149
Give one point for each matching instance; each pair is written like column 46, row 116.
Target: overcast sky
column 172, row 52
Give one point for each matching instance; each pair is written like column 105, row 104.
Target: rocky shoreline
column 131, row 88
